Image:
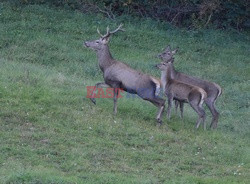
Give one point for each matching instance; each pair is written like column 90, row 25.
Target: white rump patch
column 203, row 96
column 219, row 89
column 158, row 86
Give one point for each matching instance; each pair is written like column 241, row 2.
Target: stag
column 182, row 92
column 117, row 74
column 212, row 89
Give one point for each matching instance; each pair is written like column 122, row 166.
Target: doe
column 212, row 89
column 182, row 92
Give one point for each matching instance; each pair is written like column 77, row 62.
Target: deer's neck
column 167, row 76
column 172, row 72
column 164, row 79
column 105, row 58
column 171, row 67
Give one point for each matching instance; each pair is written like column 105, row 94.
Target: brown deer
column 212, row 89
column 182, row 92
column 119, row 75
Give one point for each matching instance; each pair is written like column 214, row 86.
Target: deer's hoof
column 159, row 122
column 93, row 100
column 158, row 125
column 213, row 126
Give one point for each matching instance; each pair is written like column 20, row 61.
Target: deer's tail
column 203, row 95
column 219, row 89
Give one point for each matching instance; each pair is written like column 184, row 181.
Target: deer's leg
column 181, row 109
column 203, row 116
column 115, row 100
column 149, row 95
column 211, row 105
column 160, row 103
column 170, row 101
column 201, row 112
column 161, row 107
column 181, row 104
column 160, row 111
column 117, row 90
column 98, row 85
column 176, row 102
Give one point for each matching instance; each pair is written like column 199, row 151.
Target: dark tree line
column 185, row 13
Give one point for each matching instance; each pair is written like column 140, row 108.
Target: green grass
column 50, row 133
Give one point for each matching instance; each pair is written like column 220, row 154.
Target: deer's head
column 167, row 55
column 162, row 65
column 103, row 40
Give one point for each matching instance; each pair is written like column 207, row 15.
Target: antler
column 117, row 29
column 112, row 32
column 99, row 33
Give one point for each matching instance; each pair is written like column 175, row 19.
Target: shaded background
column 184, row 13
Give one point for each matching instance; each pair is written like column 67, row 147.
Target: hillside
column 50, row 133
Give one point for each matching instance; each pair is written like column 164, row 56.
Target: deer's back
column 209, row 87
column 127, row 76
column 179, row 89
column 183, row 91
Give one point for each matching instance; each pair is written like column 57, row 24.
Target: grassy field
column 50, row 133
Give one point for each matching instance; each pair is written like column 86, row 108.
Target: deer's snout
column 85, row 44
column 158, row 56
column 157, row 65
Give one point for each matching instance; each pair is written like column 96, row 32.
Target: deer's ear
column 168, row 48
column 174, row 51
column 105, row 40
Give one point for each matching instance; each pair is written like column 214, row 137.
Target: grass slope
column 50, row 133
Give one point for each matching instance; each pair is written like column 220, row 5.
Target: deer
column 182, row 92
column 212, row 89
column 117, row 74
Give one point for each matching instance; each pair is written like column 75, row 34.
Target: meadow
column 51, row 133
